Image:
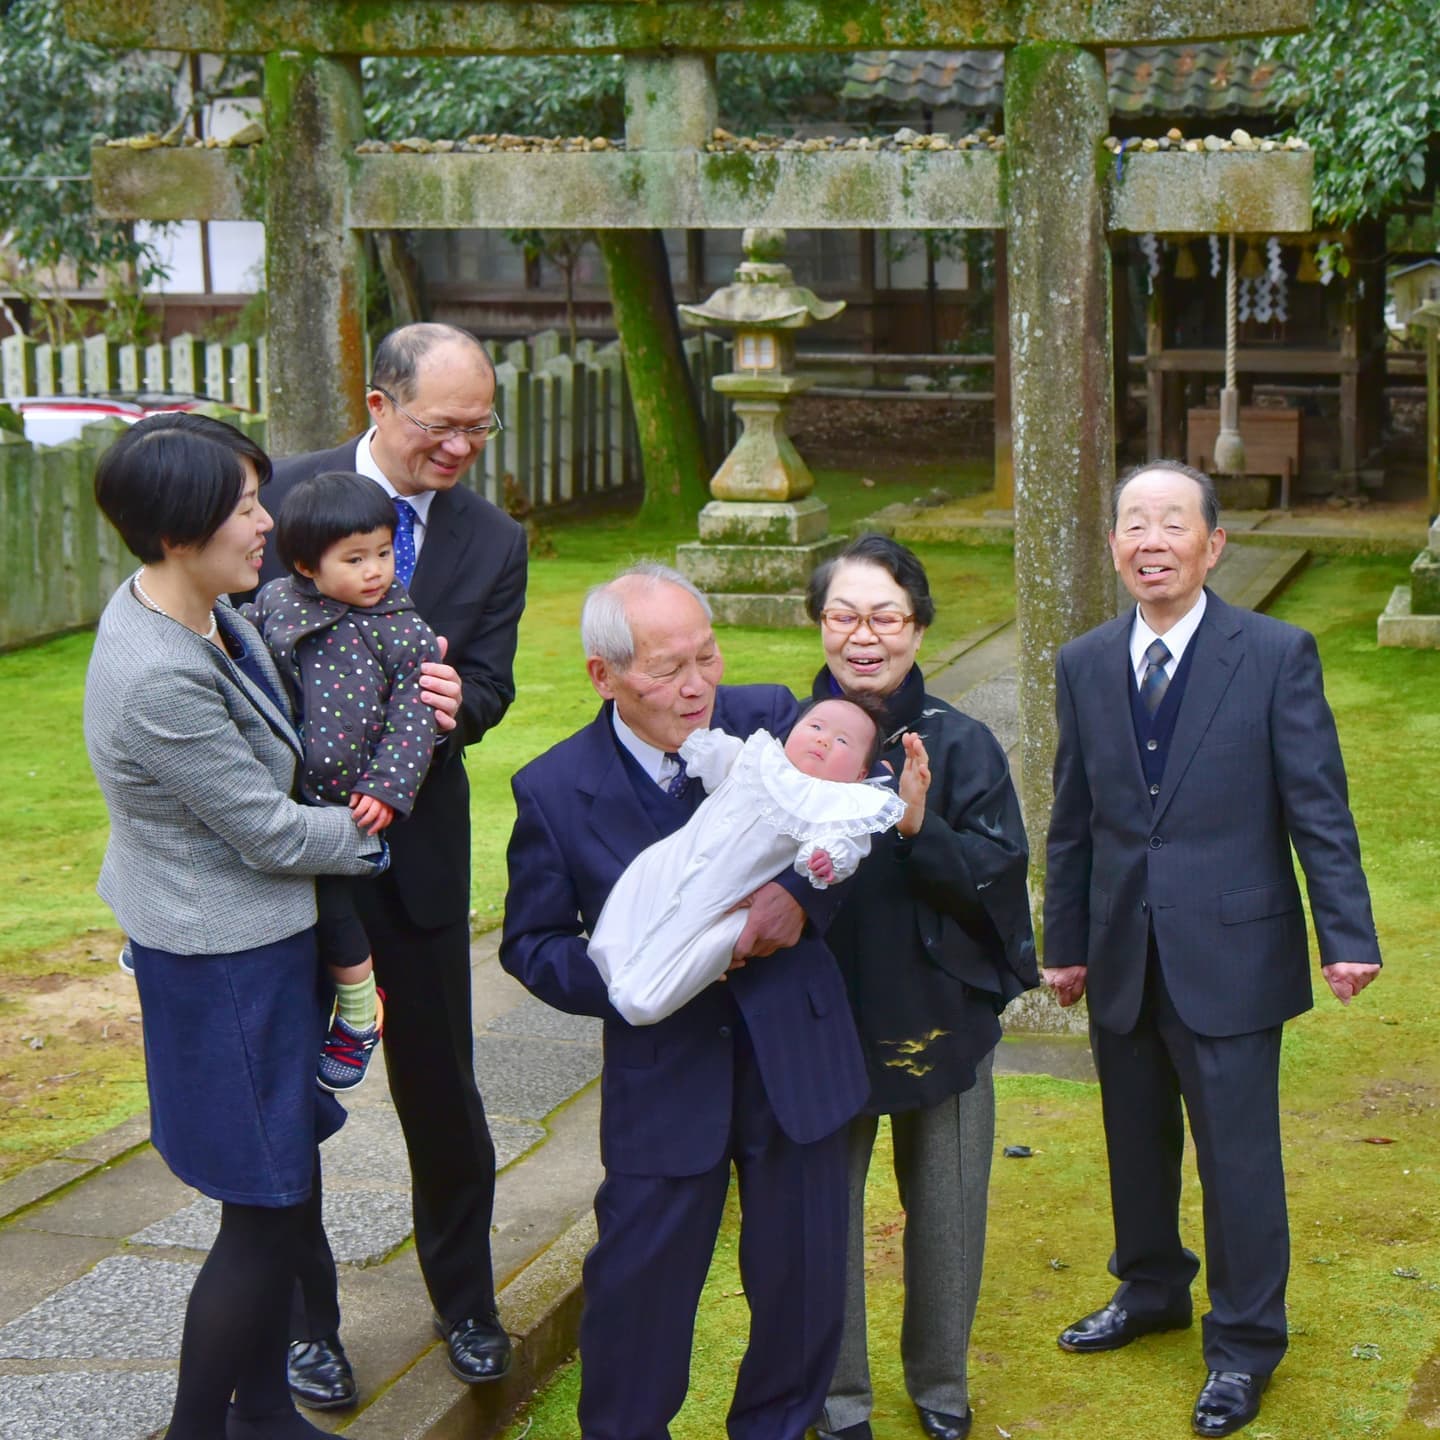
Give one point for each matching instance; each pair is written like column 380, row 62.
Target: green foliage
column 1365, row 84
column 485, row 94
column 779, row 91
column 578, row 94
column 59, row 93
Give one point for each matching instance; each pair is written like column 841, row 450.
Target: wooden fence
column 569, row 434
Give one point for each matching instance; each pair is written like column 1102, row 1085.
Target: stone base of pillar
column 1399, row 626
column 764, row 612
column 754, row 558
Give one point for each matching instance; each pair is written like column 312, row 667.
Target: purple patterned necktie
column 679, row 782
column 405, row 518
column 1154, row 682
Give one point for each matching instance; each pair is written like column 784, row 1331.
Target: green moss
column 743, row 172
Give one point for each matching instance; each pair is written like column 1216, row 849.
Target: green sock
column 356, row 1003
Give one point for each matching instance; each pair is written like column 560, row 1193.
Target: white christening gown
column 669, row 926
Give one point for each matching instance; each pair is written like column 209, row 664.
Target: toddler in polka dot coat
column 346, row 637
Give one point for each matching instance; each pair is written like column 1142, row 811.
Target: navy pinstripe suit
column 763, row 1070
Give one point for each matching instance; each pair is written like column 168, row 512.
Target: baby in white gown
column 669, row 927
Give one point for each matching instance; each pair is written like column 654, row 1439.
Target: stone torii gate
column 1055, row 190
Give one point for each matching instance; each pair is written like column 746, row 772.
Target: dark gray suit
column 469, row 586
column 1185, row 909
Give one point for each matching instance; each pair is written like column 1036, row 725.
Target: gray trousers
column 942, row 1169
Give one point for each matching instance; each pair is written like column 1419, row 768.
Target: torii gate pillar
column 1062, row 406
column 314, row 260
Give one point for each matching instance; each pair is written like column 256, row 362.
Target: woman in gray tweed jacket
column 209, row 870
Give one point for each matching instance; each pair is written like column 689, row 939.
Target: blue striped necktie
column 679, row 782
column 1155, row 681
column 405, row 518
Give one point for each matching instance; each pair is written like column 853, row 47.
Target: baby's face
column 831, row 741
column 358, row 570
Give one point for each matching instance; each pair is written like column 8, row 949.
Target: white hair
column 605, row 627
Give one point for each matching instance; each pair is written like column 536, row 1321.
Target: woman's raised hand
column 914, row 784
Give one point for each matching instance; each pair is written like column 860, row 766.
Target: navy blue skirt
column 231, row 1043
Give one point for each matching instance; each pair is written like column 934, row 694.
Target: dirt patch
column 71, row 1050
column 887, row 434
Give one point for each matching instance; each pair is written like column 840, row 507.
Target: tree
column 59, row 93
column 1364, row 81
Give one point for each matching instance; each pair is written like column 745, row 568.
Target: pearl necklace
column 149, row 604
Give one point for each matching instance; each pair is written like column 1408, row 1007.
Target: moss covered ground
column 1361, row 1102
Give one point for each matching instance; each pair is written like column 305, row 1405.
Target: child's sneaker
column 345, row 1056
column 126, row 961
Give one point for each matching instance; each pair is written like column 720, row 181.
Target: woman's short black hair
column 891, row 556
column 868, row 705
column 325, row 509
column 174, row 479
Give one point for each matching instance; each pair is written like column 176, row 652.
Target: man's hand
column 821, row 867
column 775, row 922
column 1067, row 981
column 371, row 815
column 1347, row 980
column 914, row 785
column 440, row 688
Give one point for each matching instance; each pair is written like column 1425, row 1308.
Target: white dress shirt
column 365, row 465
column 659, row 766
column 1175, row 639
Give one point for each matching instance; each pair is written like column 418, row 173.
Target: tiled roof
column 1213, row 79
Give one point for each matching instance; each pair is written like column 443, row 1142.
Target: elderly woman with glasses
column 934, row 939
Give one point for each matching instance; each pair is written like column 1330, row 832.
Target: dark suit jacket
column 666, row 1088
column 469, row 586
column 1254, row 766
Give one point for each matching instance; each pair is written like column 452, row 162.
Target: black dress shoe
column 860, row 1430
column 1113, row 1326
column 478, row 1349
column 940, row 1426
column 1229, row 1400
column 320, row 1375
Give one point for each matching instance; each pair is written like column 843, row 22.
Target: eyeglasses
column 477, row 433
column 878, row 622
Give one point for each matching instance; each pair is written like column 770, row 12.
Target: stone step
column 98, row 1255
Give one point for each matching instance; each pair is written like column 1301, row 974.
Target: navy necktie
column 405, row 518
column 679, row 782
column 1155, row 681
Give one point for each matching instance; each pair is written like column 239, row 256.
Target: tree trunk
column 667, row 414
column 402, row 278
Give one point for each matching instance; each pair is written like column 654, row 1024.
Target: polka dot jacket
column 355, row 677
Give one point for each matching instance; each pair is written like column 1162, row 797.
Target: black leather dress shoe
column 1113, row 1326
column 478, row 1349
column 320, row 1375
column 1229, row 1400
column 940, row 1426
column 860, row 1430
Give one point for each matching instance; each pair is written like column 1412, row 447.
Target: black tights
column 236, row 1332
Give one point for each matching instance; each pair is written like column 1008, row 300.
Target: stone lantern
column 764, row 531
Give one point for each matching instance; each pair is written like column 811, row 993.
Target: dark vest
column 1153, row 732
column 668, row 813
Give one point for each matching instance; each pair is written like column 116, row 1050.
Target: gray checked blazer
column 207, row 851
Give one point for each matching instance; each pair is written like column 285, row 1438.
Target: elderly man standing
column 762, row 1071
column 432, row 407
column 1195, row 748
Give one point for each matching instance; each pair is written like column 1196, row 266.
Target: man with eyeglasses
column 432, row 408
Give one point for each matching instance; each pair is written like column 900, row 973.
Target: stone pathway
column 98, row 1248
column 98, row 1251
